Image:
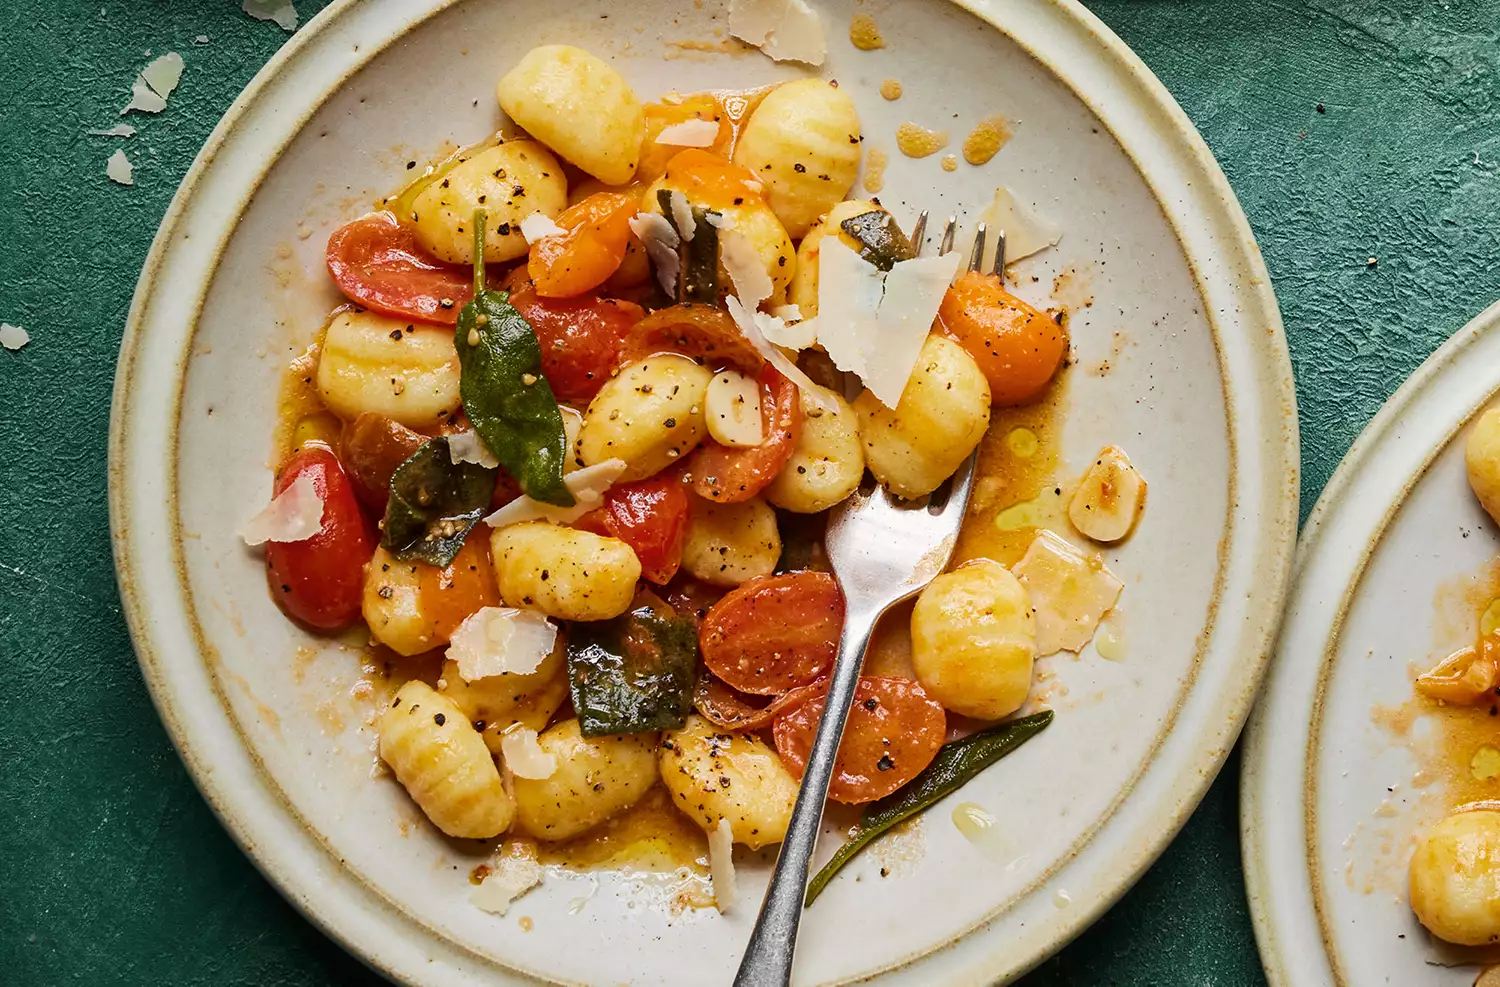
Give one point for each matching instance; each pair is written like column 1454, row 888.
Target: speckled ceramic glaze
column 1198, row 390
column 1333, row 789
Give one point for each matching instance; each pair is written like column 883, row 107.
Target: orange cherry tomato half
column 894, row 731
column 580, row 337
column 450, row 595
column 774, row 633
column 728, row 708
column 693, row 330
column 1018, row 347
column 651, row 517
column 319, row 581
column 709, row 180
column 377, row 263
column 728, row 475
column 596, row 232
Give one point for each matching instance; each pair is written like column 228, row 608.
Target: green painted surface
column 112, row 870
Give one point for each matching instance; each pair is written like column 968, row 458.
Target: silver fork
column 883, row 550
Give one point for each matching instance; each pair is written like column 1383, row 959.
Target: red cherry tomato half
column 651, row 517
column 730, row 476
column 580, row 337
column 319, row 580
column 774, row 633
column 377, row 263
column 894, row 731
column 725, row 707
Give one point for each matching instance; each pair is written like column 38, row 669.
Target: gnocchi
column 412, row 607
column 650, row 415
column 564, row 572
column 940, row 418
column 1455, row 878
column 596, row 779
column 973, row 640
column 803, row 142
column 388, row 367
column 496, row 703
column 579, row 106
column 1482, row 459
column 828, row 460
column 439, row 758
column 509, row 181
column 714, row 775
column 727, row 544
column 804, row 286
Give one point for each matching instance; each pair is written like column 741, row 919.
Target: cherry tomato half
column 580, row 337
column 730, row 476
column 774, row 633
column 894, row 731
column 377, row 263
column 730, row 709
column 704, row 331
column 318, row 581
column 596, row 233
column 1018, row 347
column 371, row 448
column 651, row 517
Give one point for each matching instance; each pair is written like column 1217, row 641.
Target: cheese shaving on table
column 786, row 30
column 524, row 757
column 510, row 876
column 282, row 12
column 661, row 242
column 1070, row 592
column 1026, row 231
column 118, row 130
column 721, row 865
column 587, row 485
column 689, row 133
column 13, row 337
column 501, row 641
column 154, row 83
column 119, row 169
column 682, row 215
column 467, row 447
column 536, row 226
column 295, row 514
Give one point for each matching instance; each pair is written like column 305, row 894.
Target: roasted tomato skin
column 1018, row 347
column 371, row 448
column 731, row 476
column 774, row 633
column 580, row 337
column 377, row 263
column 651, row 517
column 319, row 581
column 596, row 232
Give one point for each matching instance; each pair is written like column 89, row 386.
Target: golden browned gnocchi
column 579, row 106
column 827, row 461
column 973, row 640
column 804, row 288
column 650, row 415
column 564, row 572
column 596, row 779
column 803, row 142
column 496, row 703
column 438, row 756
column 727, row 544
column 390, row 367
column 714, row 774
column 940, row 418
column 509, row 182
column 1482, row 458
column 1455, row 878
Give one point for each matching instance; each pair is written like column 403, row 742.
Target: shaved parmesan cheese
column 913, row 291
column 794, row 336
column 1069, row 591
column 119, row 169
column 587, row 486
column 13, row 337
column 501, row 641
column 509, row 878
column 163, row 74
column 721, row 866
column 143, row 99
column 852, row 287
column 720, row 220
column 536, row 226
column 118, row 130
column 787, row 313
column 690, row 133
column 295, row 514
column 747, row 321
column 661, row 242
column 467, row 447
column 786, row 30
column 1026, row 232
column 524, row 756
column 572, row 425
column 751, row 282
column 682, row 215
column 282, row 12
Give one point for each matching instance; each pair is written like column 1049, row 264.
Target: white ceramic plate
column 1331, row 793
column 1199, row 392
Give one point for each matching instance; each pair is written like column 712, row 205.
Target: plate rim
column 1266, row 860
column 1266, row 384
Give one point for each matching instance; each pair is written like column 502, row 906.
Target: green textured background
column 113, row 871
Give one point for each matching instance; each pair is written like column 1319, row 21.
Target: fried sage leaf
column 954, row 766
column 633, row 673
column 434, row 503
column 881, row 241
column 505, row 394
column 700, row 255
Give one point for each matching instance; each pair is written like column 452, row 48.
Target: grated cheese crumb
column 282, row 12
column 536, row 226
column 295, row 514
column 119, row 169
column 501, row 641
column 13, row 337
column 118, row 130
column 721, row 865
column 510, row 876
column 467, row 447
column 689, row 133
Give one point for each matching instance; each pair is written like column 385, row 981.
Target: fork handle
column 768, row 959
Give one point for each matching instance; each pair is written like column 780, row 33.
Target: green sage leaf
column 634, row 673
column 434, row 503
column 700, row 255
column 881, row 241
